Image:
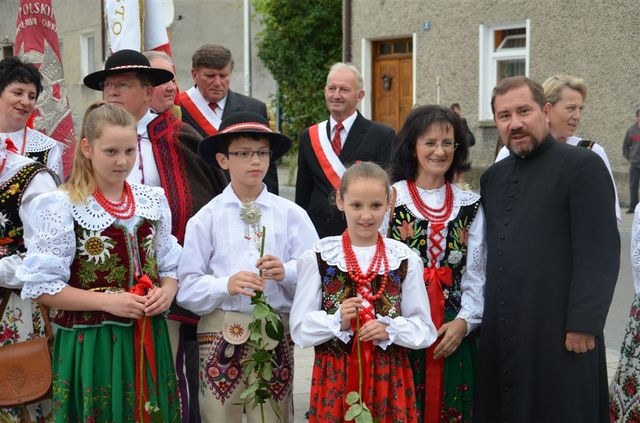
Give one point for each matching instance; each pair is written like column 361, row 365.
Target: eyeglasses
column 118, row 86
column 247, row 155
column 447, row 145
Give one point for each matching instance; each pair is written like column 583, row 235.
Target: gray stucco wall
column 597, row 41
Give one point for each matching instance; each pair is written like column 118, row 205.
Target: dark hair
column 211, row 56
column 508, row 84
column 12, row 69
column 455, row 106
column 404, row 164
column 637, row 112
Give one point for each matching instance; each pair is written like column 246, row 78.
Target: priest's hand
column 453, row 331
column 580, row 342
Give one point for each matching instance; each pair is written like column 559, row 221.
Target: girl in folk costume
column 445, row 225
column 624, row 392
column 380, row 280
column 21, row 180
column 20, row 86
column 103, row 255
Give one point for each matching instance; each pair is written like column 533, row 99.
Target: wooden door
column 392, row 82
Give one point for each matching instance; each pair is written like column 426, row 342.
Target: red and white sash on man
column 330, row 164
column 198, row 114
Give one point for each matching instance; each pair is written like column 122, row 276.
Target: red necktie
column 336, row 142
column 213, row 106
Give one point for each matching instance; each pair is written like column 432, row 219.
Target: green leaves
column 258, row 368
column 298, row 45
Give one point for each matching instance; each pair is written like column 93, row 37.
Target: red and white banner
column 37, row 42
column 137, row 25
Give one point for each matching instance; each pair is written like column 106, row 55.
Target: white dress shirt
column 218, row 244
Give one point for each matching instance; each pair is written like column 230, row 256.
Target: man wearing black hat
column 164, row 159
column 245, row 239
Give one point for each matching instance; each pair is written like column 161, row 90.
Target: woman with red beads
column 361, row 302
column 103, row 256
column 445, row 226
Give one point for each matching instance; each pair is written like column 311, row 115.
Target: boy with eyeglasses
column 219, row 269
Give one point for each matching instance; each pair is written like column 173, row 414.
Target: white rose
column 455, row 257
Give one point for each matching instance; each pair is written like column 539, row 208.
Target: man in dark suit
column 328, row 147
column 210, row 100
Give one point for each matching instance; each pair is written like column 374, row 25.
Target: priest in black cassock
column 553, row 254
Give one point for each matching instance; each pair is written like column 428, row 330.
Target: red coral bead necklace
column 434, row 215
column 123, row 209
column 363, row 280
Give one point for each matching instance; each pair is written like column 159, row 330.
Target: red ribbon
column 143, row 340
column 11, row 146
column 366, row 354
column 436, row 278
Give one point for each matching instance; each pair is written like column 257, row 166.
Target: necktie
column 336, row 142
column 213, row 106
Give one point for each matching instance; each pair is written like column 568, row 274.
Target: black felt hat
column 239, row 123
column 123, row 61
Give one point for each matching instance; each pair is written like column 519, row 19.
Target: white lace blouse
column 42, row 182
column 310, row 325
column 37, row 142
column 474, row 277
column 52, row 248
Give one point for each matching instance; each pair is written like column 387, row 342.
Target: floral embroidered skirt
column 391, row 386
column 94, row 375
column 22, row 319
column 458, row 377
column 624, row 391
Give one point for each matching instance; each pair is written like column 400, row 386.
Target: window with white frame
column 87, row 53
column 504, row 52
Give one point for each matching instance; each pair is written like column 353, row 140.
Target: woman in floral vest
column 103, row 255
column 21, row 180
column 445, row 226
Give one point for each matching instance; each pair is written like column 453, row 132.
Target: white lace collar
column 460, row 197
column 93, row 217
column 36, row 140
column 330, row 249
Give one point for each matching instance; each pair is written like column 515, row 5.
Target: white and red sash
column 330, row 164
column 196, row 114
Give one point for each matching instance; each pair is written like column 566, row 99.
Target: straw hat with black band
column 240, row 123
column 123, row 61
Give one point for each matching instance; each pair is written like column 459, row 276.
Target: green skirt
column 458, row 377
column 94, row 375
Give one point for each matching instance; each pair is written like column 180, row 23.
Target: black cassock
column 553, row 255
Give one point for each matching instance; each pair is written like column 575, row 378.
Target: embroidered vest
column 11, row 191
column 337, row 286
column 104, row 262
column 38, row 156
column 167, row 152
column 412, row 230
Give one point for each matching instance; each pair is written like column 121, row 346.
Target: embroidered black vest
column 337, row 286
column 11, row 192
column 412, row 230
column 104, row 262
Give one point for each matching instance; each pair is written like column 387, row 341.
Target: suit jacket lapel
column 354, row 139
